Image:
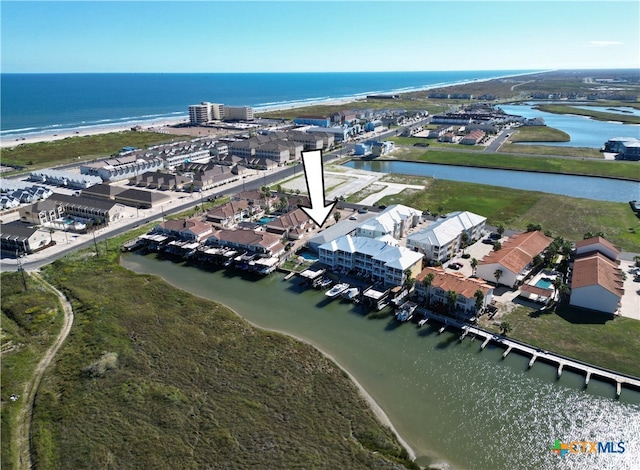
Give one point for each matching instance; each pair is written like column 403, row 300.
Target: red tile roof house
column 443, row 282
column 257, row 200
column 185, row 229
column 598, row 244
column 292, row 225
column 596, row 281
column 230, row 214
column 514, row 259
column 258, row 242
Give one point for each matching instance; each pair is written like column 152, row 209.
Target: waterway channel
column 589, row 187
column 454, row 405
column 583, row 131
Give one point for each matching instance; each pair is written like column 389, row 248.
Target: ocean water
column 39, row 103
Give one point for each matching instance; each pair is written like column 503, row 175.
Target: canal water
column 456, row 406
column 589, row 187
column 583, row 131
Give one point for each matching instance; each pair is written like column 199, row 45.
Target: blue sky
column 301, row 36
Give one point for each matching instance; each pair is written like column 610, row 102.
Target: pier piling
column 587, row 378
column 560, row 366
column 486, row 341
column 507, row 351
column 533, row 359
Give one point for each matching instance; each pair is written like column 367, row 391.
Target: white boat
column 351, row 294
column 325, row 282
column 336, row 290
column 405, row 312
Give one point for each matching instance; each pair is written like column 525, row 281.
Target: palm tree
column 426, row 282
column 505, row 327
column 409, row 281
column 497, row 274
column 479, row 295
column 464, row 238
column 452, row 297
column 337, row 215
column 474, row 265
column 500, row 230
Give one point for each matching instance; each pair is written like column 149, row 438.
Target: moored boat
column 405, row 312
column 336, row 290
column 351, row 294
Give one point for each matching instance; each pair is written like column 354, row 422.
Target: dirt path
column 23, row 430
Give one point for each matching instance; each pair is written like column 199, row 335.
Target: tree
column 505, row 327
column 636, row 259
column 452, row 298
column 497, row 274
column 474, row 265
column 533, row 227
column 465, row 240
column 409, row 281
column 479, row 295
column 426, row 282
column 537, row 260
column 497, row 246
column 500, row 230
column 284, row 202
column 337, row 215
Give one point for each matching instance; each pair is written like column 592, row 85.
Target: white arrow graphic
column 314, row 174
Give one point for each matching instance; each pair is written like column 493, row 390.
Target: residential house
column 441, row 239
column 42, row 212
column 293, row 225
column 464, row 287
column 473, row 138
column 229, row 214
column 598, row 244
column 185, row 229
column 101, row 211
column 514, row 260
column 16, row 237
column 596, row 283
column 256, row 242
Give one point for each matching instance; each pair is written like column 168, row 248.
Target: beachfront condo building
column 205, row 112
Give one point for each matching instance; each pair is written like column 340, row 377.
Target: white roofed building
column 441, row 239
column 395, row 220
column 381, row 259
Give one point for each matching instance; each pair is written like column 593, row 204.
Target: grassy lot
column 613, row 169
column 30, row 323
column 154, row 377
column 72, row 149
column 539, row 134
column 566, row 216
column 578, row 152
column 597, row 115
column 600, row 339
column 433, row 143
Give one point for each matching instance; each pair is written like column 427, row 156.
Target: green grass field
column 612, row 343
column 538, row 134
column 607, row 168
column 30, row 322
column 566, row 216
column 185, row 383
column 76, row 149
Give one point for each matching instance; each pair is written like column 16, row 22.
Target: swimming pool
column 544, row 283
column 308, row 256
column 266, row 220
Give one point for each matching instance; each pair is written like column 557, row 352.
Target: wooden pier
column 535, row 353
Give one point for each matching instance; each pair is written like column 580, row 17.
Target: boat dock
column 537, row 354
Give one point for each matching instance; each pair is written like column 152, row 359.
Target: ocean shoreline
column 9, row 139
